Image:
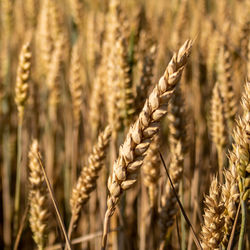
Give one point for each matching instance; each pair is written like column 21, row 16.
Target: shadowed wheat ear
column 37, row 198
column 86, row 182
column 125, row 97
column 151, row 170
column 77, row 12
column 177, row 122
column 140, row 134
column 169, row 206
column 211, row 231
column 225, row 84
column 22, row 81
column 148, row 54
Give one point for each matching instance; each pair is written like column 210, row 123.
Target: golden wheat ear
column 37, row 198
column 211, row 231
column 22, row 81
column 138, row 139
column 86, row 182
column 230, row 197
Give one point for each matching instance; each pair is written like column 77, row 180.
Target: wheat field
column 125, row 124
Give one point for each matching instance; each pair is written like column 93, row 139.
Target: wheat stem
column 243, row 225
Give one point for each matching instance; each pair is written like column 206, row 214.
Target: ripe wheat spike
column 138, row 139
column 37, row 198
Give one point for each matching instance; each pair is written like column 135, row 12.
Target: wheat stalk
column 139, row 136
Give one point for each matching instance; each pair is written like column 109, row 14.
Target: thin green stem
column 243, row 225
column 18, row 174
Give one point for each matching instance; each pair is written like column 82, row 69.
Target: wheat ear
column 23, row 75
column 241, row 136
column 125, row 98
column 21, row 95
column 217, row 125
column 177, row 122
column 240, row 157
column 230, row 197
column 76, row 96
column 211, row 231
column 96, row 102
column 139, row 136
column 225, row 84
column 44, row 38
column 75, row 84
column 111, row 52
column 151, row 170
column 77, row 12
column 148, row 62
column 37, row 198
column 86, row 182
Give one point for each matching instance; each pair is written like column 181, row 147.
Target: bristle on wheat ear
column 138, row 139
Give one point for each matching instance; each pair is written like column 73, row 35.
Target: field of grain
column 124, row 125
